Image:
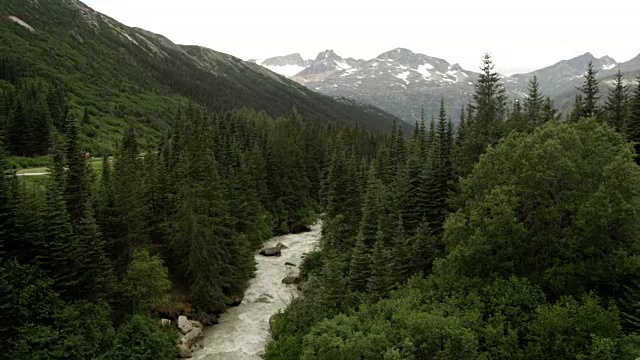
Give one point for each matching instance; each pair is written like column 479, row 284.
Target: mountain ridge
column 126, row 74
column 404, row 82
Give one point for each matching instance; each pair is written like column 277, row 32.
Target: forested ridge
column 118, row 74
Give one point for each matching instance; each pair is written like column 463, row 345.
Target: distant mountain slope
column 403, row 82
column 129, row 74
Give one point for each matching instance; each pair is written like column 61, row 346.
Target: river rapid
column 243, row 331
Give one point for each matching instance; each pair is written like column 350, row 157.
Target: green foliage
column 616, row 107
column 79, row 331
column 543, row 207
column 589, row 99
column 632, row 128
column 146, row 281
column 486, row 126
column 141, row 338
column 19, row 162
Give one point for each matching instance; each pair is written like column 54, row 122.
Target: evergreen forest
column 513, row 234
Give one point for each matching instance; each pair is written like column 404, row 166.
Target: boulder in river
column 235, row 300
column 292, row 280
column 289, row 264
column 191, row 337
column 184, row 324
column 273, row 251
column 185, row 351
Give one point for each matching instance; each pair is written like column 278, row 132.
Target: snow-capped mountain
column 287, row 65
column 400, row 81
column 403, row 82
column 562, row 76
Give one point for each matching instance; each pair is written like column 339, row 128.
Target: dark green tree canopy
column 560, row 206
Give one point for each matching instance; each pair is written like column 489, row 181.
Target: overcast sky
column 521, row 35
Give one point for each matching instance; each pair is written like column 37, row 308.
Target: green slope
column 128, row 74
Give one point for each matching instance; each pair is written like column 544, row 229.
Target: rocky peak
column 291, row 59
column 327, row 55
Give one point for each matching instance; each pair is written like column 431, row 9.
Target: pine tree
column 378, row 284
column 372, row 208
column 633, row 123
column 516, row 120
column 549, row 112
column 401, row 255
column 128, row 200
column 58, row 107
column 98, row 281
column 360, row 268
column 616, row 105
column 577, row 111
column 59, row 253
column 5, row 204
column 486, row 124
column 533, row 105
column 589, row 90
column 443, row 177
column 77, row 182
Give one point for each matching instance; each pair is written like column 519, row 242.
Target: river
column 243, row 331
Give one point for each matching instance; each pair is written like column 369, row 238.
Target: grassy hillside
column 123, row 74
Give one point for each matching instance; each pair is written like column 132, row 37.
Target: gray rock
column 185, row 351
column 165, row 322
column 289, row 264
column 292, row 280
column 192, row 337
column 197, row 324
column 264, row 298
column 184, row 324
column 273, row 251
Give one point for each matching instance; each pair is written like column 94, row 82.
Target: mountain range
column 404, row 83
column 122, row 74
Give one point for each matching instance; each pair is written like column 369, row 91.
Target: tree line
column 514, row 237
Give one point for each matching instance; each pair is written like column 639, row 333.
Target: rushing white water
column 243, row 331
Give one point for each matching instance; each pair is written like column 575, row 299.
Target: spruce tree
column 372, row 208
column 5, row 205
column 549, row 112
column 486, row 124
column 59, row 253
column 616, row 105
column 516, row 120
column 400, row 264
column 98, row 281
column 633, row 123
column 77, row 175
column 360, row 268
column 443, row 177
column 128, row 200
column 533, row 105
column 589, row 90
column 378, row 284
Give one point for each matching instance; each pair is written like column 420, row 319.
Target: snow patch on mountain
column 342, row 65
column 21, row 22
column 608, row 66
column 403, row 76
column 424, row 70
